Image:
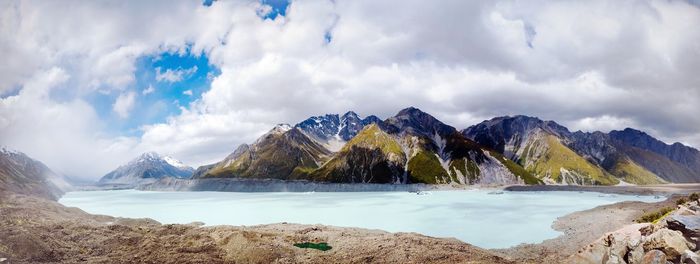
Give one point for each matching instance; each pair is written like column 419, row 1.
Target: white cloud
column 148, row 90
column 176, row 75
column 64, row 135
column 187, row 92
column 123, row 104
column 589, row 65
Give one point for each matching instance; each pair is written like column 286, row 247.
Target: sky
column 88, row 85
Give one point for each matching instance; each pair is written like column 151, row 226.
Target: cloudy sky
column 87, row 85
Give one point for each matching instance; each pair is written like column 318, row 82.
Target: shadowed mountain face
column 677, row 152
column 414, row 121
column 630, row 155
column 147, row 167
column 24, row 175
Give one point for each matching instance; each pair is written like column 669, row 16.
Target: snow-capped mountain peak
column 148, row 166
column 175, row 163
column 333, row 130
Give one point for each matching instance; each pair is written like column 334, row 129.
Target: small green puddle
column 319, row 246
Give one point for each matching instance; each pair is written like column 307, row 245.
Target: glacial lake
column 473, row 216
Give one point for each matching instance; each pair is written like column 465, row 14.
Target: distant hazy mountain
column 553, row 153
column 24, row 175
column 147, row 167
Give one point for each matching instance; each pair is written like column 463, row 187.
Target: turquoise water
column 473, row 216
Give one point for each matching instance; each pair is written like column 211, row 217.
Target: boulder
column 682, row 210
column 694, row 208
column 654, row 257
column 635, row 255
column 689, row 225
column 614, row 247
column 671, row 242
column 690, row 257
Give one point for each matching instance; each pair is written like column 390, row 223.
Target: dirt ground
column 35, row 230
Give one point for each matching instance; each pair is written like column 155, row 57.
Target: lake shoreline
column 581, row 228
column 271, row 185
column 661, row 189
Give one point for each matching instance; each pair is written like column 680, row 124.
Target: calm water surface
column 474, row 216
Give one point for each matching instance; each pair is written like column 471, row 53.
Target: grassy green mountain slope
column 629, row 171
column 275, row 155
column 666, row 169
column 547, row 158
column 373, row 156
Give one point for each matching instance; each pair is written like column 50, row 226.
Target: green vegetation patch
column 694, row 197
column 630, row 172
column 655, row 216
column 373, row 137
column 320, row 246
column 558, row 156
column 681, row 201
column 425, row 167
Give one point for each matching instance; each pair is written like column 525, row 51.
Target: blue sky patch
column 208, row 2
column 327, row 37
column 278, row 7
column 158, row 97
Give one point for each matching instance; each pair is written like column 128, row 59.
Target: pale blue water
column 474, row 216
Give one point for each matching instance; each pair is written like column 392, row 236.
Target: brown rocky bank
column 35, row 230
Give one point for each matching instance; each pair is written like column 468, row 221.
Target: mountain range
column 415, row 147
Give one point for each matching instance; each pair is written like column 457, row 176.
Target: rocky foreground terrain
column 667, row 235
column 36, row 230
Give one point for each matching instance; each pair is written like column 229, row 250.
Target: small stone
column 690, row 257
column 654, row 257
column 635, row 255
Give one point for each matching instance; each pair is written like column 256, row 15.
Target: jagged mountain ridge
column 619, row 158
column 149, row 166
column 411, row 147
column 415, row 147
column 21, row 174
column 333, row 130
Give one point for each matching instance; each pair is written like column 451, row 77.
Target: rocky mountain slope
column 332, row 130
column 22, row 174
column 147, row 167
column 556, row 155
column 275, row 155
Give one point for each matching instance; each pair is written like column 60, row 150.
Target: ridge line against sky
column 88, row 85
